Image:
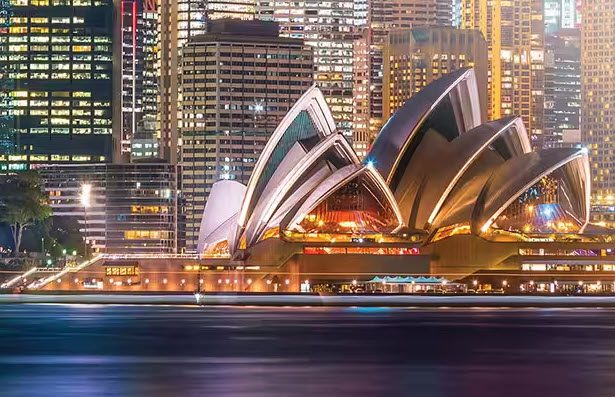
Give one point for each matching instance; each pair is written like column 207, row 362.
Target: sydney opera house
column 441, row 192
column 436, row 171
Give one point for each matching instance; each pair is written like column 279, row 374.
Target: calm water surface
column 90, row 350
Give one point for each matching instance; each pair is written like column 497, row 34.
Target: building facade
column 178, row 21
column 237, row 82
column 139, row 33
column 598, row 109
column 381, row 18
column 562, row 87
column 130, row 208
column 413, row 58
column 330, row 28
column 514, row 31
column 58, row 59
column 561, row 14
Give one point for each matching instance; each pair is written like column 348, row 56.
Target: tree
column 23, row 203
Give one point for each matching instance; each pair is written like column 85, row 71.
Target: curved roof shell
column 516, row 176
column 222, row 205
column 449, row 105
column 310, row 163
column 309, row 119
column 470, row 160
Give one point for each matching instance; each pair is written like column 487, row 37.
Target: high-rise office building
column 178, row 21
column 413, row 58
column 58, row 58
column 139, row 33
column 514, row 30
column 131, row 208
column 561, row 14
column 562, row 87
column 381, row 17
column 598, row 103
column 237, row 82
column 330, row 28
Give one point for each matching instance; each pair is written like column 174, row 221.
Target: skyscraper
column 330, row 28
column 237, row 82
column 139, row 27
column 514, row 31
column 562, row 87
column 179, row 20
column 382, row 17
column 598, row 109
column 413, row 58
column 59, row 63
column 561, row 14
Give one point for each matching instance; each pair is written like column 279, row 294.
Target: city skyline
column 145, row 107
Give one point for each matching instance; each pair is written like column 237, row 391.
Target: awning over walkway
column 408, row 280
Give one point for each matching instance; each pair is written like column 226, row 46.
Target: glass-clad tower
column 59, row 60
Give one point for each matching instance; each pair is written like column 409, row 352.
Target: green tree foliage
column 23, row 203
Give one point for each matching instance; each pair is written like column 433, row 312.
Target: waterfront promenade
column 301, row 300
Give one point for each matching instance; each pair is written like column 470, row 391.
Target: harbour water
column 122, row 350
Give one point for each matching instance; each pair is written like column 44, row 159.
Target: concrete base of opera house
column 289, row 268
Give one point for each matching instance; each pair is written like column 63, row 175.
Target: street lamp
column 86, row 196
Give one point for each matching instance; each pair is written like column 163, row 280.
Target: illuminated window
column 102, row 131
column 148, row 209
column 82, row 131
column 39, row 130
column 60, row 66
column 59, row 121
column 144, row 235
column 18, row 29
column 82, row 48
column 18, row 48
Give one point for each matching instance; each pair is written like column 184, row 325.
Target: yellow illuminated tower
column 514, row 30
column 598, row 102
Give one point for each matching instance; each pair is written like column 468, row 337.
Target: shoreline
column 303, row 300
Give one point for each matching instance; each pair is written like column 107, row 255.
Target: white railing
column 43, row 282
column 15, row 280
column 153, row 256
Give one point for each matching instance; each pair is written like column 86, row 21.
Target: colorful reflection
column 540, row 209
column 358, row 207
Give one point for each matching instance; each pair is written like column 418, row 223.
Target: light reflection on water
column 82, row 350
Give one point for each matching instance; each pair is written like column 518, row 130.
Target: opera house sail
column 435, row 170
